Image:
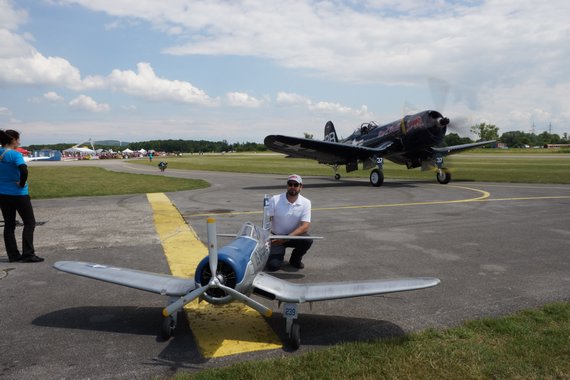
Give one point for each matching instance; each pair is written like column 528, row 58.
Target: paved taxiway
column 496, row 247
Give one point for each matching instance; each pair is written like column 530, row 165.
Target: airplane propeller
column 214, row 281
column 439, row 90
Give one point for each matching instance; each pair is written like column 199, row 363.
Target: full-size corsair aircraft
column 412, row 141
column 238, row 269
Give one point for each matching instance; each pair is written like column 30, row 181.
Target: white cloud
column 5, row 111
column 241, row 99
column 292, row 99
column 145, row 84
column 53, row 97
column 86, row 103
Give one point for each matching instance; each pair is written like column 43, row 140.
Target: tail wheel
column 376, row 178
column 443, row 176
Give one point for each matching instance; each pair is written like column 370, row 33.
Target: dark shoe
column 32, row 259
column 15, row 259
column 273, row 265
column 297, row 264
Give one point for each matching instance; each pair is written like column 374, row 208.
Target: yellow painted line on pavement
column 218, row 330
column 484, row 195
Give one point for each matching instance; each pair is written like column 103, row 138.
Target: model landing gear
column 169, row 324
column 293, row 329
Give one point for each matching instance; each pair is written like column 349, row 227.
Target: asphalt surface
column 497, row 248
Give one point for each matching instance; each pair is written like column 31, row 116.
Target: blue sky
column 136, row 70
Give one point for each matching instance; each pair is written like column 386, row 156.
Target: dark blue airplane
column 413, row 141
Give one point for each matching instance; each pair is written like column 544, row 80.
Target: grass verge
column 61, row 182
column 532, row 344
column 529, row 168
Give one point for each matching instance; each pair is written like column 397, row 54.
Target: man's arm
column 301, row 230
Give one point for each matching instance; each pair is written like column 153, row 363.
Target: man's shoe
column 32, row 259
column 297, row 264
column 15, row 259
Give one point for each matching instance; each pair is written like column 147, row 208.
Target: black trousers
column 21, row 204
column 300, row 247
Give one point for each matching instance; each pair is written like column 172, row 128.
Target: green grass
column 490, row 167
column 533, row 344
column 64, row 181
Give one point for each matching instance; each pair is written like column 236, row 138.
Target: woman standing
column 14, row 197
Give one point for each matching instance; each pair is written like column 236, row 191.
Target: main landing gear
column 292, row 329
column 377, row 175
column 443, row 175
column 169, row 323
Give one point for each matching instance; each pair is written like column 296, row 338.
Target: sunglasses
column 292, row 184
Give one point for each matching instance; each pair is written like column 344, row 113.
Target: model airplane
column 411, row 141
column 238, row 269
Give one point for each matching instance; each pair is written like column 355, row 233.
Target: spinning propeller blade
column 214, row 281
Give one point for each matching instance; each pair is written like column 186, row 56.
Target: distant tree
column 455, row 139
column 308, row 135
column 486, row 131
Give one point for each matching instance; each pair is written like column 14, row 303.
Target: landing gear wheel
column 295, row 337
column 443, row 176
column 337, row 176
column 376, row 178
column 168, row 325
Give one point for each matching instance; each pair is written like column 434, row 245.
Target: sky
column 139, row 70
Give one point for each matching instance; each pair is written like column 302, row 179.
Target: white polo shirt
column 288, row 216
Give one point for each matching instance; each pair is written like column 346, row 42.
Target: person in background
column 14, row 198
column 290, row 214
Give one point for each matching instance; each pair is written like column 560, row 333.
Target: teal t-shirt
column 10, row 173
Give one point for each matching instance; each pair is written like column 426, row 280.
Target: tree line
column 484, row 132
column 171, row 146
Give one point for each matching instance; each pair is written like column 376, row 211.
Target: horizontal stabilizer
column 286, row 291
column 163, row 284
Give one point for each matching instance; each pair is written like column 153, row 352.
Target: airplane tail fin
column 266, row 223
column 330, row 132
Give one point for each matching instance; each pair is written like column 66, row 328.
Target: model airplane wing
column 285, row 291
column 326, row 152
column 151, row 282
column 460, row 148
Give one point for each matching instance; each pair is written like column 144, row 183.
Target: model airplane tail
column 330, row 132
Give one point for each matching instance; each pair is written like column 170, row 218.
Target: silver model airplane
column 238, row 269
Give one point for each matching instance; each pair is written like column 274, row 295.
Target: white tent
column 127, row 151
column 142, row 151
column 79, row 150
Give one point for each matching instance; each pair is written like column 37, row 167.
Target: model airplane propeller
column 234, row 272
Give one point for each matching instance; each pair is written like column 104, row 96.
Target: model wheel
column 295, row 338
column 168, row 325
column 337, row 176
column 376, row 178
column 443, row 176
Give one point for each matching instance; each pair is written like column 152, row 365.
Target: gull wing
column 285, row 291
column 460, row 148
column 325, row 152
column 163, row 284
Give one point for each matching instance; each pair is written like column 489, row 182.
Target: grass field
column 500, row 167
column 67, row 181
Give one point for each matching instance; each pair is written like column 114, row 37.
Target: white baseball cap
column 295, row 177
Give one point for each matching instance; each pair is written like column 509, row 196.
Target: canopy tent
column 127, row 151
column 79, row 150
